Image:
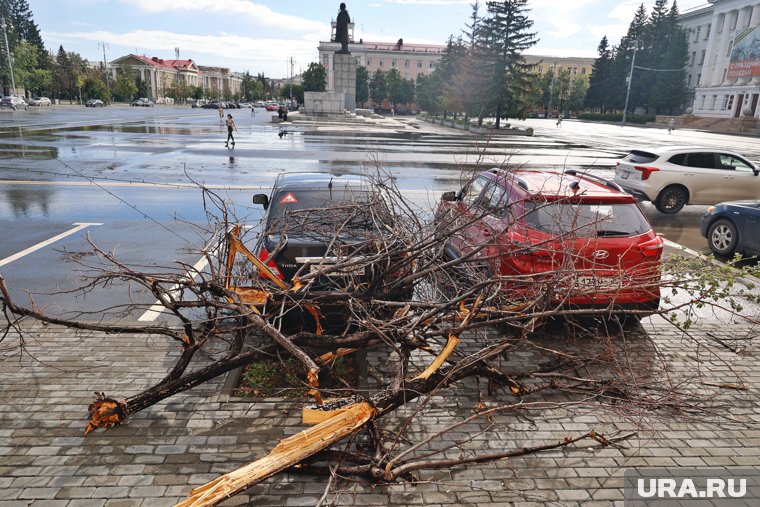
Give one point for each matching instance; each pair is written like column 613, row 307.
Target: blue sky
column 261, row 35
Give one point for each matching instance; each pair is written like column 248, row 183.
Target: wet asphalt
column 136, row 172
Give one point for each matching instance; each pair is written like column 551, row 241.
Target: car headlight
column 710, row 210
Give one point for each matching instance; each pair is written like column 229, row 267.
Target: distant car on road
column 94, row 103
column 40, row 101
column 672, row 177
column 733, row 227
column 142, row 102
column 13, row 102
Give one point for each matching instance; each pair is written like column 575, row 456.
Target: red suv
column 570, row 238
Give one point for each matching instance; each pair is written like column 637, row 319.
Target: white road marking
column 155, row 311
column 79, row 227
column 677, row 246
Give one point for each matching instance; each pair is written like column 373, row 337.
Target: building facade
column 723, row 70
column 161, row 74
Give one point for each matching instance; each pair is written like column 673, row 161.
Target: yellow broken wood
column 331, row 357
column 440, row 358
column 312, row 416
column 287, row 453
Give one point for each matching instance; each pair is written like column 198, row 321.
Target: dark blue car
column 733, row 227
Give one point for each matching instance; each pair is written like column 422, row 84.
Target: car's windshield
column 585, row 220
column 339, row 208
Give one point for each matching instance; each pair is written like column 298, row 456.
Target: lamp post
column 8, row 52
column 105, row 45
column 630, row 78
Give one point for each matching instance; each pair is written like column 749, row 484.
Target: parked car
column 40, row 101
column 304, row 214
column 13, row 102
column 94, row 103
column 529, row 226
column 271, row 106
column 733, row 227
column 142, row 102
column 675, row 176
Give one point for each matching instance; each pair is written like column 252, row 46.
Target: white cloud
column 625, row 10
column 241, row 53
column 567, row 18
column 430, row 2
column 260, row 15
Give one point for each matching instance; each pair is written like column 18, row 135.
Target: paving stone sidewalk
column 190, row 439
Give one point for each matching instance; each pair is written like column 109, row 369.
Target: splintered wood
column 287, row 453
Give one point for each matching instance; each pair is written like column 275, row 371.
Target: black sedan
column 733, row 227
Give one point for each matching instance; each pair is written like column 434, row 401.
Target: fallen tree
column 416, row 303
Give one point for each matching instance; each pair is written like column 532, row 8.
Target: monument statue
column 341, row 29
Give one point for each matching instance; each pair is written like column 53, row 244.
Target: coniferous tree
column 597, row 95
column 505, row 34
column 621, row 67
column 378, row 89
column 362, row 85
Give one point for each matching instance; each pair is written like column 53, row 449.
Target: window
column 714, row 101
column 382, row 62
column 419, row 64
column 730, row 47
column 703, row 160
column 495, row 200
column 688, row 81
column 734, row 19
column 693, row 58
column 702, row 101
column 728, row 101
column 699, row 78
column 679, row 159
column 725, row 71
column 540, row 69
column 702, row 57
column 432, row 65
column 369, row 62
column 471, row 192
column 731, row 163
column 583, row 71
column 699, row 31
column 406, row 64
column 393, row 64
column 707, row 32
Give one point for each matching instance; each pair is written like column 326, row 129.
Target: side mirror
column 756, row 171
column 449, row 196
column 261, row 199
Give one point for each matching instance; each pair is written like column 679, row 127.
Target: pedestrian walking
column 559, row 121
column 221, row 112
column 230, row 127
column 671, row 125
column 253, row 110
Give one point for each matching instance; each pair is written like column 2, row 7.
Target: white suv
column 673, row 177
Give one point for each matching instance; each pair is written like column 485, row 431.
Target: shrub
column 617, row 117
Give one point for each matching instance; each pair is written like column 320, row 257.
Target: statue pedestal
column 344, row 78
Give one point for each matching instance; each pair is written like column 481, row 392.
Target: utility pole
column 291, row 80
column 630, row 78
column 551, row 90
column 105, row 63
column 10, row 57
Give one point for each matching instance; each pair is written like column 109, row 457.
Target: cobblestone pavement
column 166, row 450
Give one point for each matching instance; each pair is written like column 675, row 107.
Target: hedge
column 617, row 117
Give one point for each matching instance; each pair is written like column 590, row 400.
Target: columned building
column 724, row 58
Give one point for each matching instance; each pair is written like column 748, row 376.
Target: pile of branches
column 395, row 287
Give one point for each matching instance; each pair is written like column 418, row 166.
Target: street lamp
column 630, row 78
column 8, row 51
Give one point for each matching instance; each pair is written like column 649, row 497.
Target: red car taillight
column 645, row 170
column 653, row 247
column 263, row 256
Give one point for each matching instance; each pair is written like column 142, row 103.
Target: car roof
column 552, row 185
column 319, row 181
column 669, row 150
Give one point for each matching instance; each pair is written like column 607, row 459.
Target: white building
column 724, row 58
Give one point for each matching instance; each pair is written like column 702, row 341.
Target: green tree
column 378, row 89
column 297, row 92
column 362, row 85
column 428, row 93
column 25, row 62
column 125, row 89
column 143, row 90
column 503, row 36
column 597, row 95
column 95, row 88
column 315, row 78
column 63, row 75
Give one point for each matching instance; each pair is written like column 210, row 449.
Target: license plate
column 597, row 283
column 322, row 264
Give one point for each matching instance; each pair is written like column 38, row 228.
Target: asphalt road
column 130, row 177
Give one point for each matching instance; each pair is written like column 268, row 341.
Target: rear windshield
column 306, row 209
column 640, row 157
column 586, row 220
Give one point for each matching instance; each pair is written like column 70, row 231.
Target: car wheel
column 722, row 237
column 671, row 200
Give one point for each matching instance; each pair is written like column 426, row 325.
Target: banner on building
column 745, row 55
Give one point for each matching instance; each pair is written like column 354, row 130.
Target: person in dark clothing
column 230, row 127
column 341, row 28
